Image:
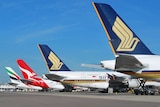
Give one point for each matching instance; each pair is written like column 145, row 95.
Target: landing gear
column 141, row 82
column 103, row 91
column 144, row 90
column 44, row 90
column 140, row 89
column 67, row 88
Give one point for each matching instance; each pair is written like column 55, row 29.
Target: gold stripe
column 105, row 29
column 44, row 58
column 82, row 81
column 144, row 75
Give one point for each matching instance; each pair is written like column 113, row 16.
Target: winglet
column 121, row 38
column 53, row 62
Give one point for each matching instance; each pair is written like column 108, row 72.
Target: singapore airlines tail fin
column 53, row 62
column 121, row 38
column 14, row 77
column 27, row 72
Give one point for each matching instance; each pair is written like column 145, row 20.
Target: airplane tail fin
column 121, row 38
column 53, row 62
column 12, row 74
column 27, row 72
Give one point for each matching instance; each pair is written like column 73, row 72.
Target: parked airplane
column 59, row 71
column 30, row 75
column 18, row 82
column 100, row 80
column 132, row 56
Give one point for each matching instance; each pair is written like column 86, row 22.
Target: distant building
column 7, row 87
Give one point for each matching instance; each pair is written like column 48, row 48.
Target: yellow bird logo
column 57, row 64
column 128, row 42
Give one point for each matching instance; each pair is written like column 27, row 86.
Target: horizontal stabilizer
column 13, row 84
column 54, row 77
column 128, row 63
column 93, row 66
column 26, row 81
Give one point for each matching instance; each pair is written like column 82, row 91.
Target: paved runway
column 56, row 99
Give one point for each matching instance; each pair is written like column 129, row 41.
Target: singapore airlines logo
column 55, row 61
column 128, row 42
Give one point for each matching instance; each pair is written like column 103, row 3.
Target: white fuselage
column 151, row 65
column 150, row 61
column 84, row 79
column 53, row 84
column 45, row 83
column 134, row 83
column 21, row 85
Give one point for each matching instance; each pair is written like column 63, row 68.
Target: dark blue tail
column 121, row 38
column 53, row 62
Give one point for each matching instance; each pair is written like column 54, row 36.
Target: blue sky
column 71, row 28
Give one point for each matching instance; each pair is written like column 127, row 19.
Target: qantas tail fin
column 121, row 38
column 14, row 77
column 27, row 72
column 54, row 63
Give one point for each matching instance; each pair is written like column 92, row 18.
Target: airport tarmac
column 76, row 99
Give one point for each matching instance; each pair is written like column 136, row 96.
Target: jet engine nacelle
column 133, row 83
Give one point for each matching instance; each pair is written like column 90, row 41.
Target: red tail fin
column 27, row 72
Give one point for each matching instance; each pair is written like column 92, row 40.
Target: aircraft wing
column 117, row 76
column 54, row 77
column 128, row 63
